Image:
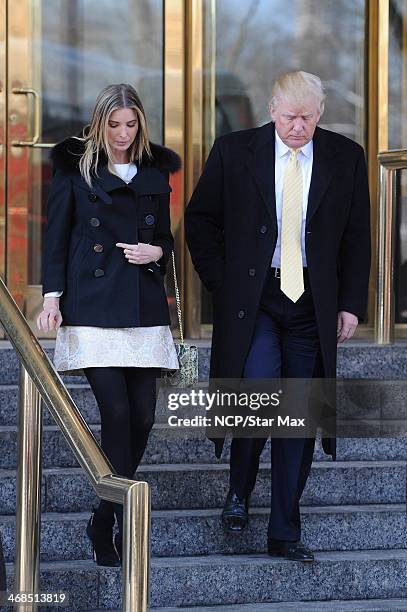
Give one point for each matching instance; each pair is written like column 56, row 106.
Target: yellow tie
column 292, row 280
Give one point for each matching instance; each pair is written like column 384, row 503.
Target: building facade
column 202, row 68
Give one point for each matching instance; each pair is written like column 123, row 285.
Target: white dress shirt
column 305, row 158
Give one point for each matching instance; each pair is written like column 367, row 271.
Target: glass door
column 59, row 56
column 249, row 44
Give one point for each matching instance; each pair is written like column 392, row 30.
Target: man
column 278, row 230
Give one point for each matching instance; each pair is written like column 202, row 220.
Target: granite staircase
column 354, row 514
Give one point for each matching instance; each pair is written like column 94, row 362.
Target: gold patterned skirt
column 80, row 347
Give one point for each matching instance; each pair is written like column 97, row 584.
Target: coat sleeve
column 162, row 235
column 204, row 222
column 60, row 209
column 355, row 250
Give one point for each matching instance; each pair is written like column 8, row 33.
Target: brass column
column 194, row 146
column 28, row 514
column 390, row 162
column 136, row 547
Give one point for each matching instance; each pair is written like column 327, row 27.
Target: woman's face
column 122, row 130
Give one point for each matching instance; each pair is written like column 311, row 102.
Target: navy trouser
column 285, row 344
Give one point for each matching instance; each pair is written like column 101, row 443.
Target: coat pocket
column 77, row 254
column 147, row 220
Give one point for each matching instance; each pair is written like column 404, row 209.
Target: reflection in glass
column 79, row 47
column 258, row 40
column 397, row 124
column 261, row 39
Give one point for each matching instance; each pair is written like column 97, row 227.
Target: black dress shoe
column 235, row 514
column 100, row 533
column 295, row 551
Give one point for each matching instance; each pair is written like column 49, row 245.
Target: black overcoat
column 100, row 287
column 231, row 231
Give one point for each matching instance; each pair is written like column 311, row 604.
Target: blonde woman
column 107, row 243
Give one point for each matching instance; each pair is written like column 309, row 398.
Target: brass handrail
column 134, row 495
column 28, row 515
column 390, row 162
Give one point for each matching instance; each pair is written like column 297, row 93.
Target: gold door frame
column 189, row 46
column 3, row 134
column 19, row 77
column 199, row 103
column 23, row 146
column 19, row 122
column 175, row 120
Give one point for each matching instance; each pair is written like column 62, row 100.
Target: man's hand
column 140, row 253
column 347, row 324
column 50, row 317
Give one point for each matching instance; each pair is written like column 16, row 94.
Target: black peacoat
column 231, row 231
column 100, row 287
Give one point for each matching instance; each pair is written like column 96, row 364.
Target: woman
column 107, row 243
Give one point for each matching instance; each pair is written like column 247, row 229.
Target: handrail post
column 136, row 548
column 28, row 512
column 135, row 495
column 386, row 236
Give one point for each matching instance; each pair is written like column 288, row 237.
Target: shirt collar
column 282, row 149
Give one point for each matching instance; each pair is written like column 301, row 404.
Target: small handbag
column 187, row 374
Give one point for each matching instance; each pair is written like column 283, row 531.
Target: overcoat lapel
column 323, row 169
column 148, row 180
column 261, row 162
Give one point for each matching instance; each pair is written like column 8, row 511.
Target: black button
column 252, row 272
column 308, row 233
column 99, row 272
column 95, row 222
column 241, row 314
column 98, row 248
column 149, row 219
column 263, row 229
column 92, row 197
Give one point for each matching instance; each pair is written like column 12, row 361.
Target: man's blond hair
column 298, row 86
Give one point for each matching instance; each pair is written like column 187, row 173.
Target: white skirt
column 80, row 347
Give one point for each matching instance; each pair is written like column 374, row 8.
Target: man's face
column 295, row 121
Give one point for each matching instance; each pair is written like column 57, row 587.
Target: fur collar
column 66, row 154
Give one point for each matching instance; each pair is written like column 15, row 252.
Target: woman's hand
column 50, row 317
column 141, row 253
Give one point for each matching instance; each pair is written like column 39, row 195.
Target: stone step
column 362, row 605
column 205, row 486
column 231, row 579
column 9, row 362
column 356, row 359
column 384, row 402
column 81, row 394
column 168, row 445
column 199, row 532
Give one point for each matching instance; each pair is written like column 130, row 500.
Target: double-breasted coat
column 100, row 287
column 231, row 231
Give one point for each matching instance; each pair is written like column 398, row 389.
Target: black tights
column 126, row 398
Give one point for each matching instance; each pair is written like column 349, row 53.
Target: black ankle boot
column 100, row 533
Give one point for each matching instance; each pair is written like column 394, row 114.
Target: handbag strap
column 177, row 299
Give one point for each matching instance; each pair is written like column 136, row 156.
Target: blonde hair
column 111, row 98
column 298, row 85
